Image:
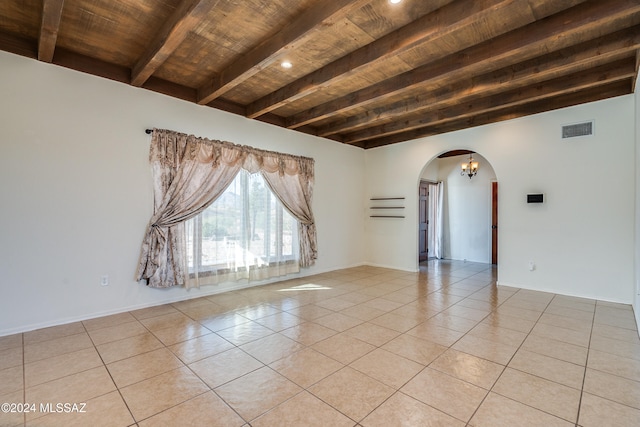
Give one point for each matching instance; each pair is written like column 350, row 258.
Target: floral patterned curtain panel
column 190, row 173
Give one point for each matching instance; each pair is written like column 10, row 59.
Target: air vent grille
column 578, row 129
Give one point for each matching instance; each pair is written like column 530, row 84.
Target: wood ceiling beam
column 75, row 61
column 49, row 26
column 635, row 79
column 434, row 26
column 300, row 30
column 184, row 19
column 572, row 59
column 609, row 73
column 552, row 33
column 604, row 92
column 18, row 45
column 454, row 153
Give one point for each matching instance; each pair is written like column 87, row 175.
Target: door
column 494, row 223
column 423, row 226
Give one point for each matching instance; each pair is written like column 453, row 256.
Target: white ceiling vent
column 577, row 129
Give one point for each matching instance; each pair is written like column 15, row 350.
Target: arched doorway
column 466, row 215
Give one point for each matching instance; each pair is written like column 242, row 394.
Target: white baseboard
column 203, row 293
column 391, row 267
column 552, row 291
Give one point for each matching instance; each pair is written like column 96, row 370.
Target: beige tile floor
column 358, row 347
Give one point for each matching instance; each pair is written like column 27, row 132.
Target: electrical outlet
column 104, row 280
column 532, row 265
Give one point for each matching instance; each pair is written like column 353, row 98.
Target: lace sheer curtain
column 189, row 174
column 245, row 234
column 436, row 219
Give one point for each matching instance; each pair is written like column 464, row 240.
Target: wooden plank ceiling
column 364, row 72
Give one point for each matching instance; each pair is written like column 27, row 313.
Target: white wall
column 76, row 192
column 636, row 300
column 580, row 239
column 431, row 171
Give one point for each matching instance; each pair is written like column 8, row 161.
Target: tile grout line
column 398, row 390
column 185, row 365
column 468, row 422
column 348, row 365
column 586, row 363
column 135, row 422
column 508, row 362
column 24, row 379
column 419, row 282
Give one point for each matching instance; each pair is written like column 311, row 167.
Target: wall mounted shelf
column 381, row 203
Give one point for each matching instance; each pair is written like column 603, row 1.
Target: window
column 245, row 230
column 189, row 174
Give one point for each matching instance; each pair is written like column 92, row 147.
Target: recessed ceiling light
column 394, row 1
column 286, row 64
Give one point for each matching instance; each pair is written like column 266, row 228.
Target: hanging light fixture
column 469, row 168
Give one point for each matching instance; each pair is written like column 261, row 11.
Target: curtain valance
column 170, row 148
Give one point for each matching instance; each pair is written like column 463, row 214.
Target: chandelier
column 469, row 168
